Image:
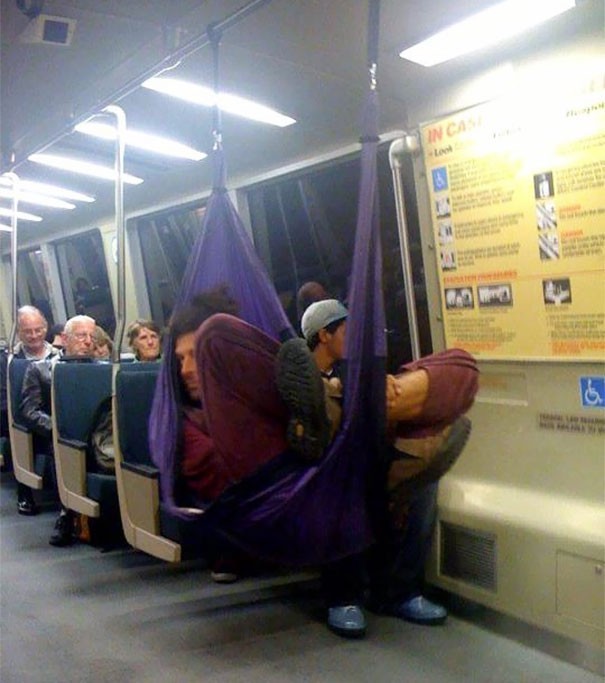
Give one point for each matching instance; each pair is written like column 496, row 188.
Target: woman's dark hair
column 200, row 308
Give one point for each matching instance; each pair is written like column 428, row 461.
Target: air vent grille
column 468, row 555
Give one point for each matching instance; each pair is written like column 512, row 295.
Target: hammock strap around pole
column 219, row 182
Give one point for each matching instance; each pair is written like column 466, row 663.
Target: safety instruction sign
column 518, row 206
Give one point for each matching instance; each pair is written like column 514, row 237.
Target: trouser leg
column 397, row 561
column 343, row 581
column 245, row 414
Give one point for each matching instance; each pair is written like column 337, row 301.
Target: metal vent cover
column 468, row 555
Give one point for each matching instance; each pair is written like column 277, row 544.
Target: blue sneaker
column 348, row 621
column 419, row 610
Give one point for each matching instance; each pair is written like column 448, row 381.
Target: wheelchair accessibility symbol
column 592, row 391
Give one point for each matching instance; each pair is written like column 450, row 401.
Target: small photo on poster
column 442, row 206
column 546, row 215
column 446, row 232
column 459, row 297
column 548, row 243
column 448, row 259
column 543, row 185
column 557, row 292
column 495, row 295
column 440, row 182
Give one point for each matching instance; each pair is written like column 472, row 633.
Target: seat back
column 138, row 490
column 134, row 391
column 78, row 388
column 21, row 437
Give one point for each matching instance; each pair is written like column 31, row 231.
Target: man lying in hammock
column 227, row 377
column 424, row 402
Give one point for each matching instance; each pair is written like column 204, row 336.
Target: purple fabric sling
column 291, row 512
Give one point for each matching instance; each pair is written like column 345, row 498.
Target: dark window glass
column 166, row 240
column 32, row 285
column 84, row 280
column 305, row 226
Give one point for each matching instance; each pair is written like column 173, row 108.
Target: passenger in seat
column 78, row 340
column 144, row 340
column 31, row 330
column 103, row 344
column 425, row 444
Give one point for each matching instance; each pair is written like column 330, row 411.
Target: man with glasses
column 31, row 330
column 78, row 341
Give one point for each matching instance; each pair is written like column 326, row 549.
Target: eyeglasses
column 81, row 336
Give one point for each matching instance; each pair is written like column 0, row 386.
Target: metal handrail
column 120, row 145
column 15, row 181
column 396, row 150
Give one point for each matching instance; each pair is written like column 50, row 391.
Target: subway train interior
column 491, row 192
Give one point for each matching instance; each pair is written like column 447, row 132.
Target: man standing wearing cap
column 397, row 565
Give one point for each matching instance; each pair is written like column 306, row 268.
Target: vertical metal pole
column 120, row 116
column 396, row 150
column 14, row 178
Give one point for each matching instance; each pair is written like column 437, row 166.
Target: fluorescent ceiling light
column 199, row 94
column 485, row 28
column 145, row 141
column 5, row 228
column 83, row 167
column 39, row 199
column 50, row 190
column 21, row 215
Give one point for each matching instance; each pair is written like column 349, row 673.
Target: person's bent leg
column 245, row 414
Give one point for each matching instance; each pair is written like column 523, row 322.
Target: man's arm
column 34, row 405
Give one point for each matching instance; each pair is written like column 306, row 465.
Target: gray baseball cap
column 320, row 315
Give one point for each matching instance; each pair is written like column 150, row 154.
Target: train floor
column 79, row 615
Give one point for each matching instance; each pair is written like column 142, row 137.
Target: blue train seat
column 30, row 467
column 78, row 389
column 146, row 525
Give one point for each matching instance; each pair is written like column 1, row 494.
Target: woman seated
column 144, row 340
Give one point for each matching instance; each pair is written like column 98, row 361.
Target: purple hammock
column 287, row 511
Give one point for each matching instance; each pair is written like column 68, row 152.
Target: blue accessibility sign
column 440, row 179
column 592, row 392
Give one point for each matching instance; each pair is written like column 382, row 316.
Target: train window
column 32, row 287
column 307, row 225
column 165, row 240
column 84, row 280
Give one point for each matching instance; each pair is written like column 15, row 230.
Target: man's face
column 32, row 330
column 335, row 341
column 80, row 340
column 184, row 350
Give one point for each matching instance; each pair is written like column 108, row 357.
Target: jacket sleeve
column 35, row 412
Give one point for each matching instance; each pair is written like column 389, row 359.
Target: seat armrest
column 144, row 470
column 72, row 443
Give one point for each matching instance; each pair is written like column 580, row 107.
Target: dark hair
column 54, row 331
column 200, row 308
column 331, row 328
column 308, row 294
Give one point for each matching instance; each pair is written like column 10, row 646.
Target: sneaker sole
column 445, row 457
column 301, row 387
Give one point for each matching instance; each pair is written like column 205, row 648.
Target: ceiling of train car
column 304, row 58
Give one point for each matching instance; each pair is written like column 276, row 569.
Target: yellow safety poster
column 518, row 206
